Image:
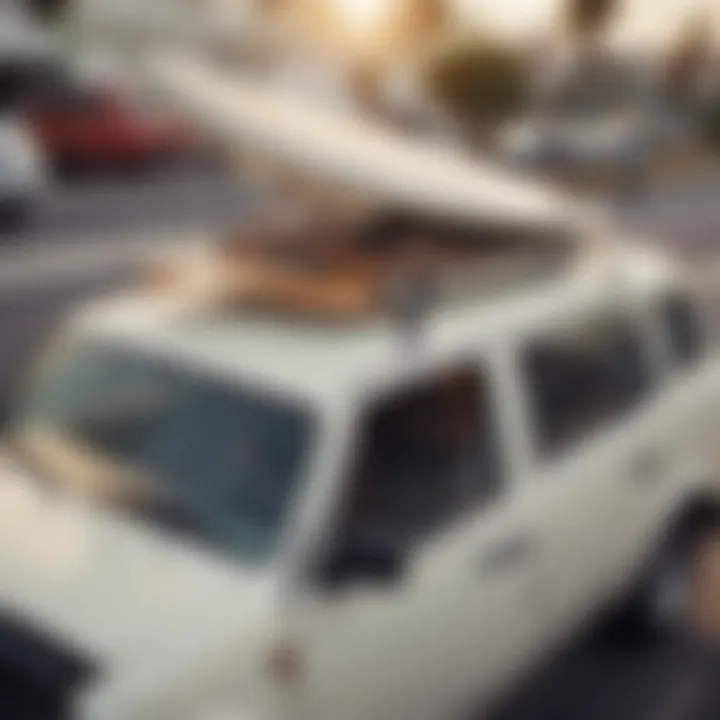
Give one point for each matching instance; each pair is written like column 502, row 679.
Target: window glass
column 425, row 455
column 683, row 329
column 583, row 381
column 217, row 462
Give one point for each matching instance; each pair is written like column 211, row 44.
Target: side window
column 425, row 455
column 683, row 330
column 579, row 383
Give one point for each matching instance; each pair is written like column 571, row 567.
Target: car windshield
column 210, row 459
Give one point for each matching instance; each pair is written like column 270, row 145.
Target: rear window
column 581, row 382
column 683, row 329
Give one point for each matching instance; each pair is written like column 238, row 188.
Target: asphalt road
column 601, row 678
column 96, row 234
column 682, row 216
column 172, row 198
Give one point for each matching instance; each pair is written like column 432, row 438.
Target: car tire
column 14, row 215
column 67, row 168
column 134, row 166
column 679, row 595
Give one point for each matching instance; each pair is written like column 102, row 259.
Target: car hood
column 117, row 592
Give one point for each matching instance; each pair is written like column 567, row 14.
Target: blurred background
column 616, row 101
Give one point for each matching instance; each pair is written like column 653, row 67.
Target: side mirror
column 360, row 558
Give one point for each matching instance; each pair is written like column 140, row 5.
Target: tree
column 480, row 82
column 586, row 19
column 688, row 58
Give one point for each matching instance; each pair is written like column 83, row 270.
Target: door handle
column 507, row 554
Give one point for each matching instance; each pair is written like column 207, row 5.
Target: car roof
column 310, row 362
column 321, row 362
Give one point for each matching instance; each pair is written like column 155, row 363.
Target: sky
column 649, row 22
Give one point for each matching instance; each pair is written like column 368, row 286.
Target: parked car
column 81, row 127
column 621, row 148
column 259, row 487
column 27, row 60
column 22, row 174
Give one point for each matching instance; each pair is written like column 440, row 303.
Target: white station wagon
column 382, row 477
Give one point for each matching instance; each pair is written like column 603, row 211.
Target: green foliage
column 479, row 81
column 693, row 47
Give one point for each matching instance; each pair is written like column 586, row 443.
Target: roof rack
column 389, row 266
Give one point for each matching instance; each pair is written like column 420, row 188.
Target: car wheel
column 14, row 215
column 134, row 165
column 680, row 595
column 701, row 612
column 67, row 168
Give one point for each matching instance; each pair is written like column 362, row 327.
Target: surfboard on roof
column 347, row 154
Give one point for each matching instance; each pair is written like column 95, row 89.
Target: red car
column 101, row 129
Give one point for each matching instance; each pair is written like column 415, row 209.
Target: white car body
column 176, row 625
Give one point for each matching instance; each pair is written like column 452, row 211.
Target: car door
column 688, row 410
column 588, row 386
column 447, row 626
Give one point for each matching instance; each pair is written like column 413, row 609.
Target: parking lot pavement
column 180, row 197
column 683, row 216
column 47, row 264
